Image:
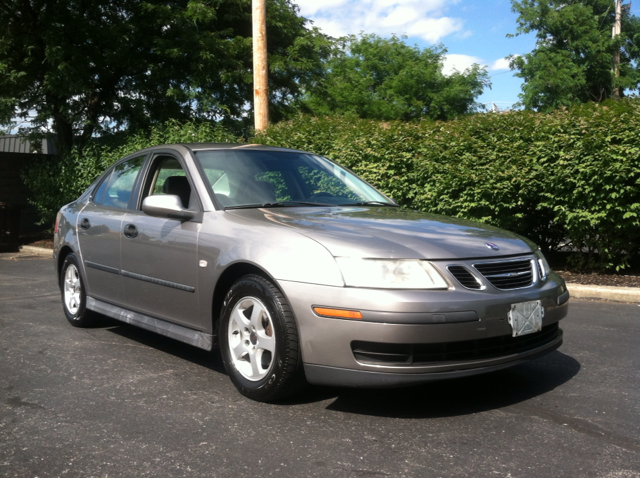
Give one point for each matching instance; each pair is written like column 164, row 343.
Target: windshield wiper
column 280, row 204
column 370, row 203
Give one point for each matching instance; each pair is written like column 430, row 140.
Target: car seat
column 178, row 185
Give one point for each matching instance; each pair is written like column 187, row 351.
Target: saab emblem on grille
column 492, row 246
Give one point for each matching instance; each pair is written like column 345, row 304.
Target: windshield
column 279, row 179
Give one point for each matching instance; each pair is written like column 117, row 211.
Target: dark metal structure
column 16, row 214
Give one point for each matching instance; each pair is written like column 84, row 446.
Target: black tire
column 74, row 295
column 280, row 372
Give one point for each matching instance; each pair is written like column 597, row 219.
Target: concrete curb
column 28, row 252
column 603, row 292
column 40, row 251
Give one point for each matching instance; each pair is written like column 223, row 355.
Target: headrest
column 178, row 185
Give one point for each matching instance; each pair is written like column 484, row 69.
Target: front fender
column 280, row 251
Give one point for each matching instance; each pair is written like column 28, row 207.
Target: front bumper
column 342, row 377
column 442, row 319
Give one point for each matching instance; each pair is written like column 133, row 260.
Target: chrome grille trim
column 509, row 275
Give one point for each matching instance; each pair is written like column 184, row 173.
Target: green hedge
column 572, row 176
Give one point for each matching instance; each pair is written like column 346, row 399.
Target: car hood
column 394, row 233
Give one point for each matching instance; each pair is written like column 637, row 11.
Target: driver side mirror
column 166, row 205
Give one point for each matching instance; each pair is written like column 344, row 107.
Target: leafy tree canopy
column 572, row 60
column 387, row 79
column 86, row 67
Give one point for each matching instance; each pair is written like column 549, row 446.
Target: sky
column 473, row 31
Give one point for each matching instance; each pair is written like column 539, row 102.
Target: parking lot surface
column 116, row 401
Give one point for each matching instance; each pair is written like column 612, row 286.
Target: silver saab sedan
column 300, row 272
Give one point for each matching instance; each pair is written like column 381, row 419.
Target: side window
column 98, row 197
column 116, row 191
column 168, row 177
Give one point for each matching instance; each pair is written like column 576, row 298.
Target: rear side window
column 99, row 194
column 115, row 191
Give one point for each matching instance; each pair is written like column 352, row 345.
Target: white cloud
column 459, row 63
column 500, row 64
column 432, row 29
column 310, row 7
column 418, row 18
column 332, row 28
column 398, row 16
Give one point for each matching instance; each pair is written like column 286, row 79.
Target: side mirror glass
column 166, row 205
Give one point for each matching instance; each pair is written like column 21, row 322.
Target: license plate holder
column 526, row 317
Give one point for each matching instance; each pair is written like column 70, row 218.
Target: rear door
column 99, row 226
column 159, row 255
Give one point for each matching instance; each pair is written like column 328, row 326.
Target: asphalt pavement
column 116, row 401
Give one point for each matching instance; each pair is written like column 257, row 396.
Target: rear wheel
column 259, row 341
column 74, row 296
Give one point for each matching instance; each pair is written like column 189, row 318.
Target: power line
column 501, row 73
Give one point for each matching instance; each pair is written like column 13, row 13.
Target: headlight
column 390, row 274
column 543, row 265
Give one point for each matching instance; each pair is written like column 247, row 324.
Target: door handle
column 85, row 224
column 130, row 231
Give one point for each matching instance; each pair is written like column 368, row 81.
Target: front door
column 159, row 256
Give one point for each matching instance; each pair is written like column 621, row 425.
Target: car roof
column 219, row 146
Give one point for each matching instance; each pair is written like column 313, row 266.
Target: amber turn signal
column 338, row 313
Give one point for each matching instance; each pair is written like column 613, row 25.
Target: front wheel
column 259, row 341
column 74, row 295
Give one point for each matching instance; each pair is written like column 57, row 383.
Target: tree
column 572, row 60
column 379, row 78
column 87, row 67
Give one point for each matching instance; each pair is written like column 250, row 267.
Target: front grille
column 375, row 353
column 507, row 275
column 465, row 277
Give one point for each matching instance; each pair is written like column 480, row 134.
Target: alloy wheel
column 252, row 344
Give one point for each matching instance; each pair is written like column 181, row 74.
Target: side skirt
column 159, row 326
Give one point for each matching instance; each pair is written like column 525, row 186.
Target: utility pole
column 617, row 29
column 260, row 69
